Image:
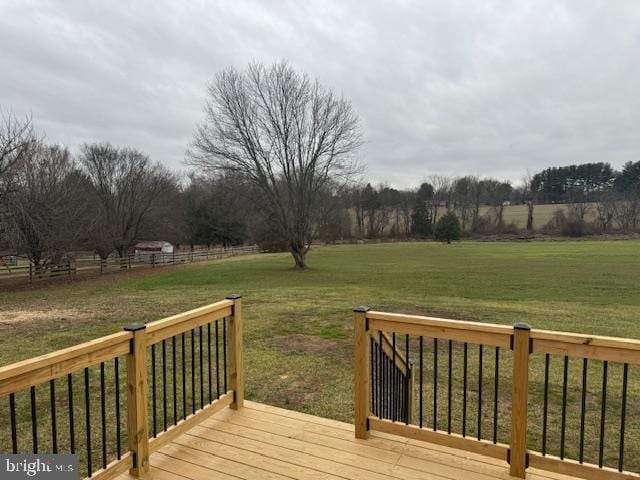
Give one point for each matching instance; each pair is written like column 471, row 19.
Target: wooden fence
column 501, row 391
column 96, row 266
column 178, row 371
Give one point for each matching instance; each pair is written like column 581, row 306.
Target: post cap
column 233, row 296
column 134, row 327
column 522, row 326
column 361, row 309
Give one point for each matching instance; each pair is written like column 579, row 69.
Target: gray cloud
column 491, row 88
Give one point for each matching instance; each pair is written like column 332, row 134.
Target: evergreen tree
column 447, row 228
column 421, row 221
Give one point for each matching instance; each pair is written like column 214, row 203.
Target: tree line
column 274, row 164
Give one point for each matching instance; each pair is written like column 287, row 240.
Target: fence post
column 236, row 364
column 137, row 400
column 519, row 402
column 361, row 400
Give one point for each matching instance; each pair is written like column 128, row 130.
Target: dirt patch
column 299, row 343
column 13, row 317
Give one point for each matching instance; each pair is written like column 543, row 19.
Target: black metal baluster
column 391, row 402
column 184, row 379
column 449, row 385
column 54, row 426
column 72, row 436
column 372, row 377
column 153, row 389
column 496, row 375
column 164, row 385
column 394, row 394
column 224, row 351
column 583, row 409
column 175, row 380
column 387, row 387
column 193, row 370
column 14, row 432
column 564, row 406
column 398, row 395
column 103, row 411
column 407, row 400
column 379, row 380
column 464, row 389
column 209, row 360
column 603, row 411
column 623, row 414
column 421, row 392
column 480, row 362
column 545, row 410
column 87, row 408
column 201, row 375
column 435, row 384
column 380, row 376
column 34, row 420
column 116, row 374
column 217, row 363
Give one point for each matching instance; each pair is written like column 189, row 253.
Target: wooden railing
column 495, row 390
column 179, row 370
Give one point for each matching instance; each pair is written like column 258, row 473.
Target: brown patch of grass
column 299, row 343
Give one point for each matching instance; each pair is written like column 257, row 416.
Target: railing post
column 236, row 364
column 362, row 353
column 137, row 400
column 519, row 400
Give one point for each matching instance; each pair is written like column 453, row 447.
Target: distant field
column 542, row 214
column 299, row 324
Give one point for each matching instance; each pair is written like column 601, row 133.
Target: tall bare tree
column 529, row 196
column 441, row 194
column 44, row 216
column 287, row 134
column 124, row 184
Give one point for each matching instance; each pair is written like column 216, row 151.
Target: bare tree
column 606, row 210
column 529, row 196
column 287, row 134
column 627, row 210
column 125, row 185
column 442, row 194
column 43, row 212
column 18, row 142
column 464, row 190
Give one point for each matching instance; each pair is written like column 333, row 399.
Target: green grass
column 298, row 327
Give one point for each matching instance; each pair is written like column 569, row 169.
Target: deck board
column 263, row 442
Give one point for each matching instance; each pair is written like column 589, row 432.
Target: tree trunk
column 299, row 255
column 530, row 216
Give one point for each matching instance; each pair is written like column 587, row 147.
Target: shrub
column 574, row 227
column 567, row 226
column 447, row 228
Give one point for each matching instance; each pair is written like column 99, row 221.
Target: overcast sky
column 460, row 87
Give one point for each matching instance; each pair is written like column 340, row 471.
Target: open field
column 298, row 324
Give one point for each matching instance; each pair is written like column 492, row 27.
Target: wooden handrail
column 611, row 349
column 182, row 322
column 458, row 330
column 20, row 375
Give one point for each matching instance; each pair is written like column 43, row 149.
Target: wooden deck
column 262, row 442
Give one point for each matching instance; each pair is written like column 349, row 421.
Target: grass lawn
column 298, row 325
